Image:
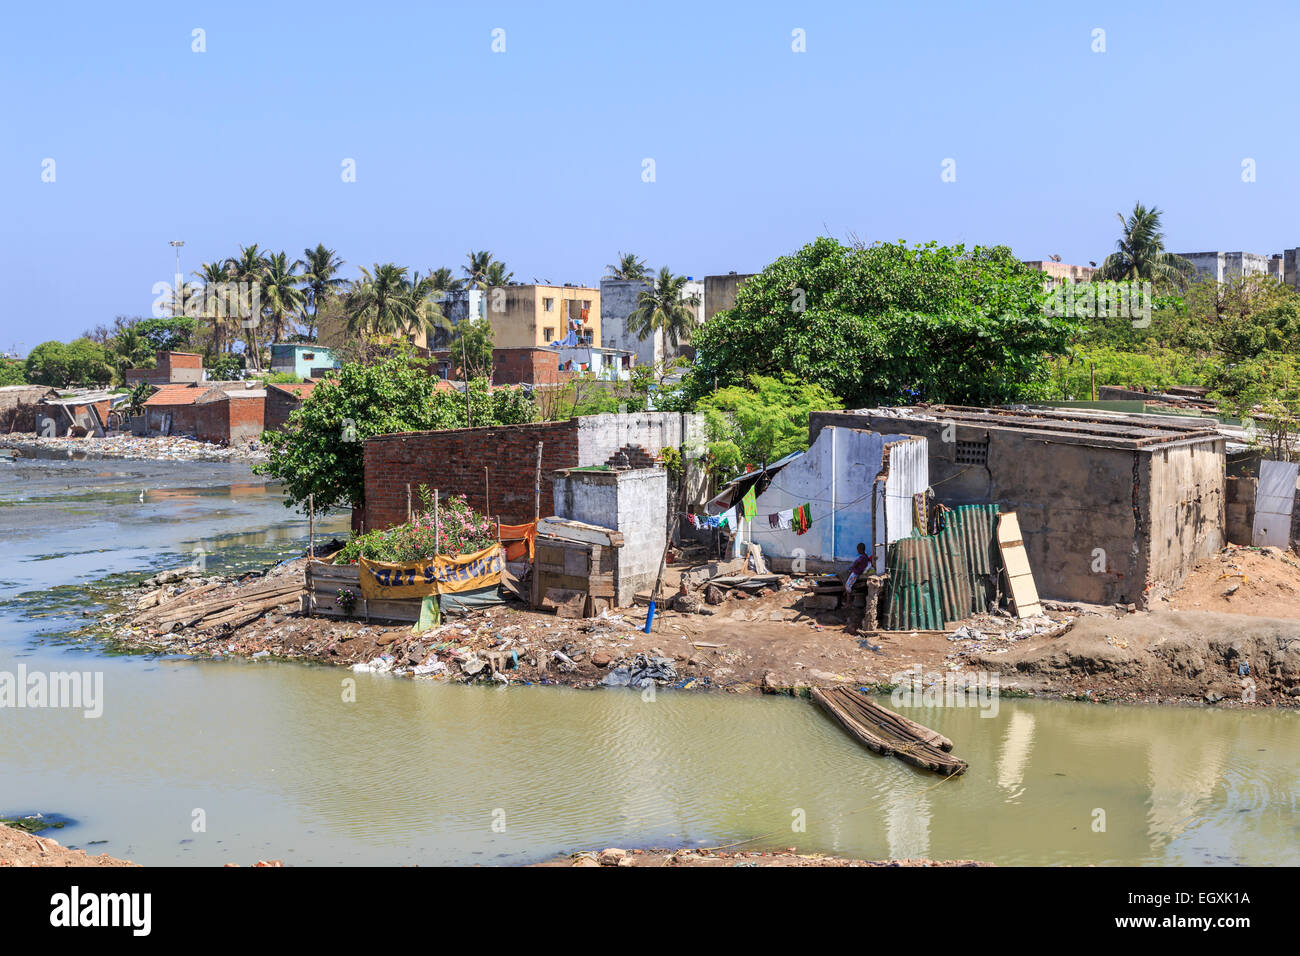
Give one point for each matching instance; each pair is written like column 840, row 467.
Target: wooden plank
column 1015, row 562
column 887, row 733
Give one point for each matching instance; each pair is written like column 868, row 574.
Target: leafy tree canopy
column 59, row 364
column 761, row 422
column 168, row 335
column 888, row 323
column 321, row 451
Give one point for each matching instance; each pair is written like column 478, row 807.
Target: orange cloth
column 521, row 538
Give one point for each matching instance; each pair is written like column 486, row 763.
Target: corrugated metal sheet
column 934, row 579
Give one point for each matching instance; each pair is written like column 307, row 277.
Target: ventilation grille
column 972, row 452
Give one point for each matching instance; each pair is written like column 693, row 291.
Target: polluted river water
column 208, row 762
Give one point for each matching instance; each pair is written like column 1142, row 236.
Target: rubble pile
column 151, row 448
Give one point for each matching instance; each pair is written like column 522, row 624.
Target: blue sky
column 536, row 153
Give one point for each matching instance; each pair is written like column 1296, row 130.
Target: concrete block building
column 632, row 501
column 1113, row 508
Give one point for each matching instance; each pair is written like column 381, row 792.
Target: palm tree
column 497, row 275
column 248, row 267
column 477, row 269
column 214, row 275
column 443, row 280
column 628, row 267
column 662, row 308
column 386, row 302
column 281, row 292
column 1140, row 252
column 422, row 306
column 320, row 280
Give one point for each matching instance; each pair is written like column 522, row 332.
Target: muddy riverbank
column 760, row 642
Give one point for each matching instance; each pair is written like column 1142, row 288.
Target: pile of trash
column 151, row 448
column 642, row 672
column 994, row 634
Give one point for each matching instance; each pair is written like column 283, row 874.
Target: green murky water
column 276, row 764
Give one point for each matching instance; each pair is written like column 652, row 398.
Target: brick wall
column 527, row 366
column 453, row 462
column 230, row 420
column 278, row 406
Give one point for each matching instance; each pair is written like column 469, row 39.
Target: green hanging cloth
column 749, row 503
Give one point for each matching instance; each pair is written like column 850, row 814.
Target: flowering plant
column 458, row 529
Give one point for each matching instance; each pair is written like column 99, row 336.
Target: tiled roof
column 174, row 395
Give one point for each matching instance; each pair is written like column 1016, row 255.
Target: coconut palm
column 320, row 280
column 281, row 293
column 444, row 280
column 1140, row 252
column 224, row 328
column 629, row 267
column 248, row 268
column 386, row 302
column 497, row 275
column 662, row 308
column 476, row 271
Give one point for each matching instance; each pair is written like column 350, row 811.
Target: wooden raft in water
column 887, row 733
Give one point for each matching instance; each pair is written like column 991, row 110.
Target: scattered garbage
column 643, row 672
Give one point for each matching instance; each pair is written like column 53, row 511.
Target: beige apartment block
column 534, row 316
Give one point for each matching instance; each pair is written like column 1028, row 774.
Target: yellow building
column 530, row 316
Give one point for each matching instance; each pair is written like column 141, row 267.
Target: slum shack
column 18, row 406
column 1111, row 508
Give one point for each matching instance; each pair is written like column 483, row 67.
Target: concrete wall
column 720, row 292
column 633, row 502
column 601, row 436
column 1224, row 266
column 1086, row 511
column 1183, row 513
column 618, row 300
column 843, row 477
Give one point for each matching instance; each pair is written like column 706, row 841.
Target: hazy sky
column 537, row 153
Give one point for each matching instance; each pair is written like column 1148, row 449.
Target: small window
column 549, row 334
column 308, row 356
column 548, row 304
column 586, row 304
column 972, row 452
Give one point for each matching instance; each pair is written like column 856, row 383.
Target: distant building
column 1060, row 272
column 720, row 292
column 171, row 368
column 618, row 301
column 534, row 316
column 1225, row 266
column 302, row 360
column 282, row 399
column 18, row 406
column 223, row 413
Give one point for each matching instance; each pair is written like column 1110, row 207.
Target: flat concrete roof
column 1076, row 426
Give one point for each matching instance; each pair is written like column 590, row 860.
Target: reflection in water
column 418, row 772
column 1016, row 744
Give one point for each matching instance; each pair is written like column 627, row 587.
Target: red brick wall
column 527, row 366
column 278, row 406
column 232, row 420
column 452, row 461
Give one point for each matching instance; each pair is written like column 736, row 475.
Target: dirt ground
column 1262, row 582
column 20, row 848
column 1190, row 650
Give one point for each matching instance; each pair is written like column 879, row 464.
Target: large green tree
column 320, row 453
column 887, row 324
column 59, row 364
